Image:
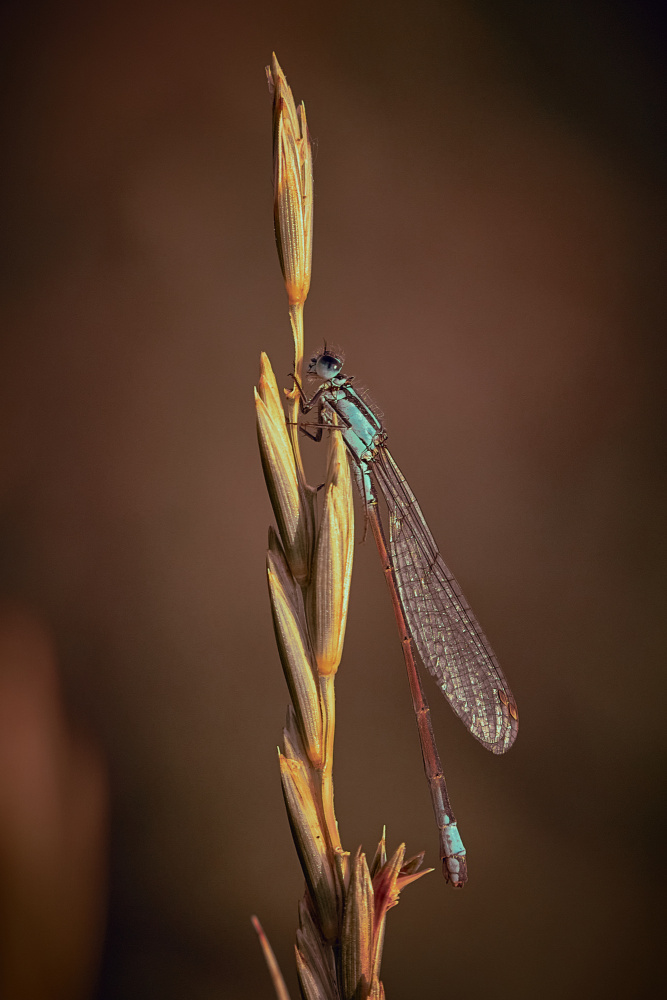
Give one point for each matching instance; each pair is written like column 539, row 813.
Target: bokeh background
column 489, row 224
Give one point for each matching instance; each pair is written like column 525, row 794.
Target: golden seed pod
column 329, row 590
column 357, row 935
column 311, row 844
column 292, row 186
column 292, row 504
column 289, row 623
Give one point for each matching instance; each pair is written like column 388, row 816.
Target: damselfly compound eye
column 328, row 365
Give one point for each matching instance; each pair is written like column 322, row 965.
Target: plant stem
column 329, row 706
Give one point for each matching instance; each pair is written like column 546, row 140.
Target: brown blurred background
column 488, row 226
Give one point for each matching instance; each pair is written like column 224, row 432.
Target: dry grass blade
column 274, row 968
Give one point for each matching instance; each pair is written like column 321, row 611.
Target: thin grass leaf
column 271, row 961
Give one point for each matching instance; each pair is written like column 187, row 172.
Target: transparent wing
column 448, row 637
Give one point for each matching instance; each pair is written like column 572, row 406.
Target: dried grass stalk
column 309, row 567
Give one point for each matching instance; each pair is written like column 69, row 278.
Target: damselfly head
column 326, row 365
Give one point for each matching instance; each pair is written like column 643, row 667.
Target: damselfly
column 428, row 603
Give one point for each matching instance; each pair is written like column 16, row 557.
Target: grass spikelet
column 311, row 844
column 357, row 937
column 292, row 639
column 329, row 591
column 291, row 499
column 292, row 187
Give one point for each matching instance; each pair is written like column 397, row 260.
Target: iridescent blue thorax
column 362, row 429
